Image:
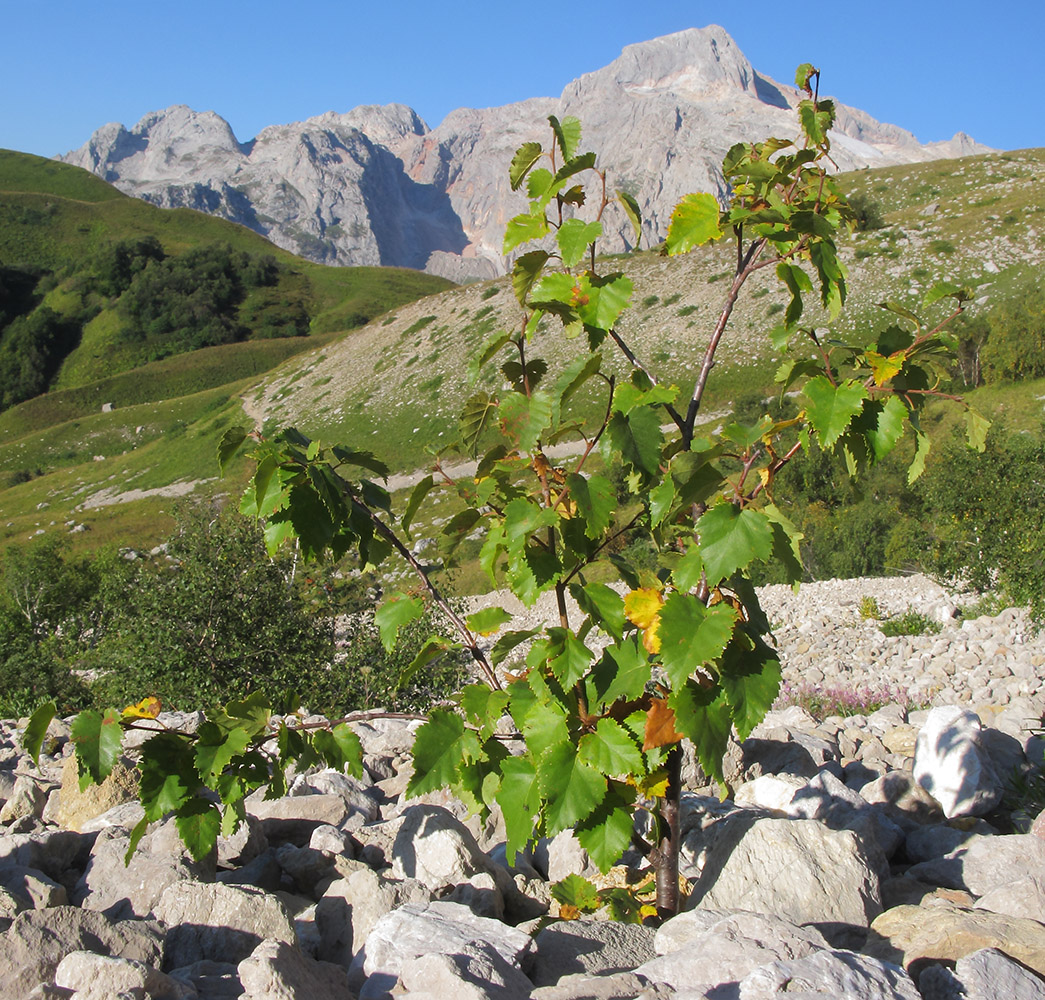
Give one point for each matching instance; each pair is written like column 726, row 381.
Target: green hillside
column 395, row 385
column 93, row 282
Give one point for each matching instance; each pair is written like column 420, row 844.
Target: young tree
column 683, row 651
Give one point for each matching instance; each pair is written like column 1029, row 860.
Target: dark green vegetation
column 208, row 619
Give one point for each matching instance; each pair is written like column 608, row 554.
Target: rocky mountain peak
column 695, row 63
column 375, row 185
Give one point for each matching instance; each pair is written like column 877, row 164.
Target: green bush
column 217, row 619
column 911, row 622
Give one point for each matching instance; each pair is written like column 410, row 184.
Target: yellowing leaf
column 885, row 368
column 651, row 637
column 567, row 911
column 647, row 910
column 147, row 708
column 642, row 606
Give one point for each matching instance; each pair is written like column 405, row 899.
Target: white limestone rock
column 952, row 765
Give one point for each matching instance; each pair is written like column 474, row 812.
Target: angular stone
column 908, row 935
column 100, row 977
column 990, row 973
column 219, row 922
column 1023, row 897
column 52, row 851
column 75, row 808
column 28, row 798
column 275, row 970
column 133, row 889
column 903, row 800
column 705, row 949
column 417, row 929
column 351, row 906
column 589, row 947
column 438, row 850
column 952, row 764
column 292, row 819
column 624, row 986
column 38, row 940
column 482, row 974
column 211, row 980
column 985, row 863
column 796, row 869
column 833, row 975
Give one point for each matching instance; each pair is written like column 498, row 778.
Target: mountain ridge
column 376, row 185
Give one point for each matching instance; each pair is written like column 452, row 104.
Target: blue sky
column 69, row 66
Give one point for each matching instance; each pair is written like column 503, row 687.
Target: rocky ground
column 831, row 871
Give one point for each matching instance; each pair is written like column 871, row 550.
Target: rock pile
column 867, row 857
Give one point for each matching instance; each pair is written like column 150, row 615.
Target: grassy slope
column 53, row 214
column 396, row 385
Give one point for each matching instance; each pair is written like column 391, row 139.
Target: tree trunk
column 665, row 856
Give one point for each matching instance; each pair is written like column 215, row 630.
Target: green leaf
column 692, row 635
column 457, row 529
column 229, row 445
column 539, row 183
column 483, row 705
column 541, row 720
column 97, row 738
column 731, row 539
column 491, row 347
column 571, row 657
column 199, row 824
column 215, row 749
column 520, row 800
column 525, row 271
column 703, row 716
column 311, row 519
column 750, row 681
column 567, row 134
column 575, row 374
column 607, row 298
column 574, row 890
column 602, row 604
column 525, row 157
column 689, row 569
column 168, row 774
column 442, row 745
column 362, row 459
column 606, row 833
column 397, row 611
column 633, row 212
column 488, row 620
column 622, row 672
column 340, row 747
column 803, row 74
column 36, row 730
column 786, row 551
column 883, row 424
column 831, row 408
column 596, row 501
column 522, row 229
column 946, row 289
column 637, row 437
column 921, row 452
column 417, row 496
column 571, row 789
column 509, row 641
column 476, row 418
column 976, row 427
column 694, row 222
column 136, row 835
column 611, row 750
column 574, row 237
column 661, row 500
column 524, row 418
column 574, row 165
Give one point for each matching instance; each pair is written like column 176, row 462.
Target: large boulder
column 832, row 975
column 219, row 922
column 437, row 927
column 101, row 977
column 951, row 763
column 796, row 869
column 589, row 947
column 38, row 940
column 712, row 947
column 275, row 970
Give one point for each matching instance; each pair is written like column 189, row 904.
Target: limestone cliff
column 377, row 186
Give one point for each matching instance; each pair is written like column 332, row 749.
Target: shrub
column 911, row 622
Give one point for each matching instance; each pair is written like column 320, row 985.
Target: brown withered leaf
column 660, row 726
